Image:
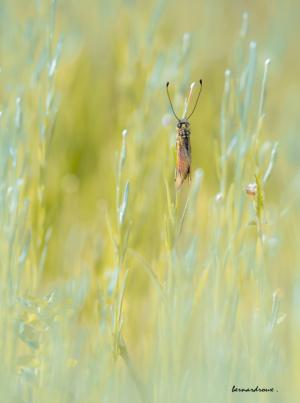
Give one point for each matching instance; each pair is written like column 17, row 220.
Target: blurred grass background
column 114, row 288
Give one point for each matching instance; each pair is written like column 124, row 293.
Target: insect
column 183, row 144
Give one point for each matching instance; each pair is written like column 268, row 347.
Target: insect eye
column 179, row 125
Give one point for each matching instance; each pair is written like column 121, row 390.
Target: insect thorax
column 183, row 128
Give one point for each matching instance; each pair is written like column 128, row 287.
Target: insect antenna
column 167, row 87
column 196, row 100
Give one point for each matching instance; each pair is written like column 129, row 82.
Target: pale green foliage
column 115, row 287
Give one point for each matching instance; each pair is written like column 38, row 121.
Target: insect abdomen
column 183, row 165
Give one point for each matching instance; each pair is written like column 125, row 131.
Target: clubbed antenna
column 167, row 87
column 200, row 81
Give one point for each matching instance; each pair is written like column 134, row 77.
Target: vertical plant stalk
column 46, row 129
column 260, row 178
column 223, row 131
column 179, row 204
column 188, row 99
column 121, row 244
column 132, row 371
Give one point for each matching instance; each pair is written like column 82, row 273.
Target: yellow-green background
column 83, row 72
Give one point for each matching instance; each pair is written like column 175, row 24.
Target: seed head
column 251, row 189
